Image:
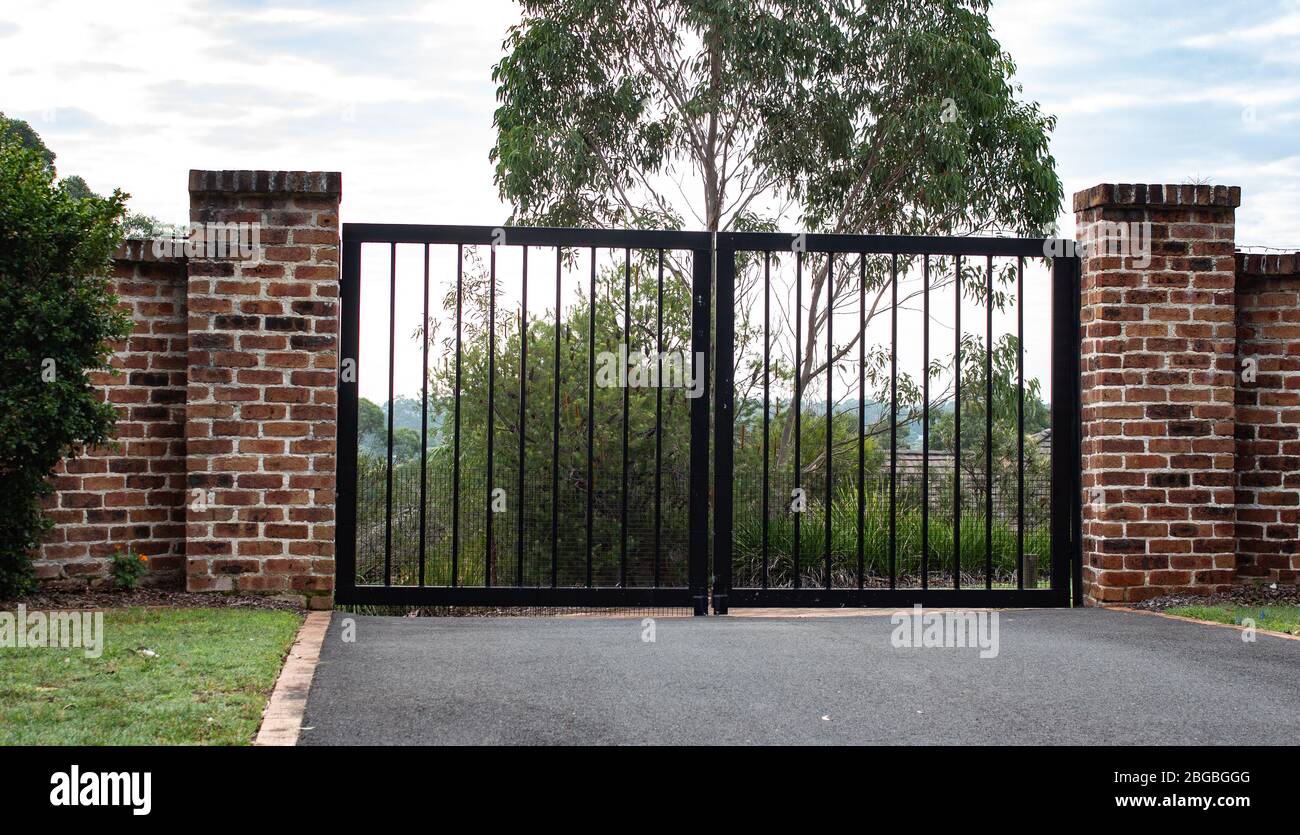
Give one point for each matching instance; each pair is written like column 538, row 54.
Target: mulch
column 1277, row 594
column 64, row 600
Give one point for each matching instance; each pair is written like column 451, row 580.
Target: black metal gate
column 533, row 486
column 587, row 553
column 843, row 576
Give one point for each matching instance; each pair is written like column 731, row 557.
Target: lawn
column 1276, row 618
column 207, row 684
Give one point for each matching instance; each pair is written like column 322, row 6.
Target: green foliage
column 18, row 132
column 748, row 540
column 127, row 568
column 60, row 315
column 370, row 420
column 871, row 116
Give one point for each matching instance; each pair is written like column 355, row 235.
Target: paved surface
column 1061, row 676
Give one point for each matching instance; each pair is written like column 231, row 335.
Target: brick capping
column 1131, row 195
column 1253, row 264
column 141, row 250
column 324, row 183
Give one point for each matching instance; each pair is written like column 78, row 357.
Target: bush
column 58, row 315
column 128, row 568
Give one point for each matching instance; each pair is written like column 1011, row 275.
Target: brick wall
column 262, row 398
column 1158, row 362
column 1268, row 418
column 131, row 493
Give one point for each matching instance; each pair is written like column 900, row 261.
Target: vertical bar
column 893, row 422
column 988, row 425
column 424, row 412
column 830, row 422
column 862, row 416
column 1064, row 344
column 555, row 429
column 591, row 410
column 798, row 398
column 349, row 358
column 724, row 438
column 491, row 410
column 659, row 415
column 767, row 401
column 388, row 490
column 698, row 520
column 956, row 433
column 455, row 455
column 1076, row 437
column 1020, row 422
column 627, row 347
column 523, row 419
column 925, row 425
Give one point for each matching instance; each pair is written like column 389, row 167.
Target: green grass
column 214, row 670
column 1276, row 618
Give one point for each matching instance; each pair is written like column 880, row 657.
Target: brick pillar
column 1158, row 386
column 1268, row 418
column 261, row 402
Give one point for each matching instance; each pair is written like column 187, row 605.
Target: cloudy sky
column 398, row 95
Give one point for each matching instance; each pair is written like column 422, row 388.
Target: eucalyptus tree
column 864, row 116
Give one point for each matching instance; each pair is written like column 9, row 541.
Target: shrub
column 128, row 567
column 59, row 316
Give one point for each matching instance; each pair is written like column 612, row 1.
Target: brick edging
column 282, row 718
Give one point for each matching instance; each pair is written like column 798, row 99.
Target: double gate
column 596, row 452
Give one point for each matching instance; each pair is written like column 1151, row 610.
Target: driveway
column 1080, row 676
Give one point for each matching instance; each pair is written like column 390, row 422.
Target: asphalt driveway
column 1060, row 676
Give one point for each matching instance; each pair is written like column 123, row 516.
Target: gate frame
column 1066, row 467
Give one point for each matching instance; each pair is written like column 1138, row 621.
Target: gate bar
column 491, row 412
column 424, row 411
column 893, row 422
column 767, row 350
column 591, row 410
column 988, row 425
column 798, row 403
column 830, row 423
column 724, row 427
column 925, row 426
column 659, row 413
column 555, row 429
column 455, row 464
column 698, row 520
column 956, row 433
column 862, row 414
column 523, row 418
column 388, row 490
